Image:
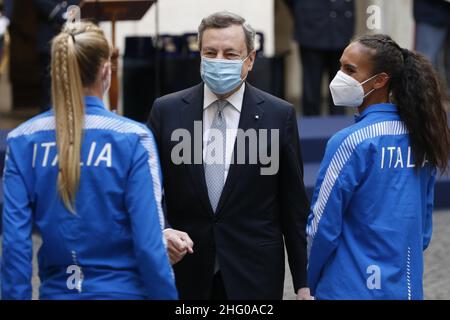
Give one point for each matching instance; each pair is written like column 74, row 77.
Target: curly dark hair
column 416, row 90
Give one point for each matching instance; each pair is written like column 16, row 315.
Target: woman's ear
column 106, row 70
column 381, row 80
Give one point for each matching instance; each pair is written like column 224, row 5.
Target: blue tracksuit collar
column 379, row 107
column 93, row 102
column 90, row 103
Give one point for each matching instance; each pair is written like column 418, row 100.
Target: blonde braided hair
column 77, row 55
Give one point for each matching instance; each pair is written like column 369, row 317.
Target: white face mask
column 346, row 91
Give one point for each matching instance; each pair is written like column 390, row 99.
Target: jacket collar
column 93, row 102
column 376, row 108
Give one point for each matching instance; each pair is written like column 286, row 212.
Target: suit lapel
column 251, row 115
column 191, row 113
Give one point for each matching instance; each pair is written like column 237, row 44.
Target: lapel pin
column 256, row 117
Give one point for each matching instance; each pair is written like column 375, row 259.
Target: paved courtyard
column 437, row 263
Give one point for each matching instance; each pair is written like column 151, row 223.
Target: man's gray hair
column 225, row 19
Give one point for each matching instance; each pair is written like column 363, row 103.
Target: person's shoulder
column 269, row 98
column 274, row 107
column 365, row 134
column 351, row 138
column 111, row 121
column 42, row 122
column 118, row 128
column 173, row 99
column 338, row 139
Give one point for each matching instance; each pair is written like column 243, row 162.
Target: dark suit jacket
column 50, row 13
column 254, row 212
column 434, row 12
column 323, row 24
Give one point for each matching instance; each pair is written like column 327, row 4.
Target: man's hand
column 178, row 244
column 304, row 294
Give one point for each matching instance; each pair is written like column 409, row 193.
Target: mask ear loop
column 369, row 78
column 245, row 78
column 369, row 93
column 367, row 81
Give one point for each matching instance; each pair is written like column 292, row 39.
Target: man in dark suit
column 323, row 28
column 432, row 19
column 51, row 17
column 238, row 208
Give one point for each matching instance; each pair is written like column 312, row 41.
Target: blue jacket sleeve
column 16, row 270
column 428, row 219
column 143, row 202
column 154, row 124
column 336, row 183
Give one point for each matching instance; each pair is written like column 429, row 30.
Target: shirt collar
column 235, row 99
column 379, row 107
column 93, row 101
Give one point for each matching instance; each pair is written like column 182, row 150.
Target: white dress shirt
column 232, row 115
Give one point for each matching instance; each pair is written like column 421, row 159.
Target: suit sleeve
column 16, row 270
column 332, row 194
column 294, row 202
column 154, row 120
column 142, row 199
column 154, row 124
column 428, row 219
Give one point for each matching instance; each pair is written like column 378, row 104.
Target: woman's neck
column 96, row 91
column 380, row 97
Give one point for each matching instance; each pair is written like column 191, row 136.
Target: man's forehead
column 233, row 33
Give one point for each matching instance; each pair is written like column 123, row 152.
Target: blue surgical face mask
column 220, row 75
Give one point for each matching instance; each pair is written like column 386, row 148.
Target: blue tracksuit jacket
column 112, row 248
column 371, row 213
